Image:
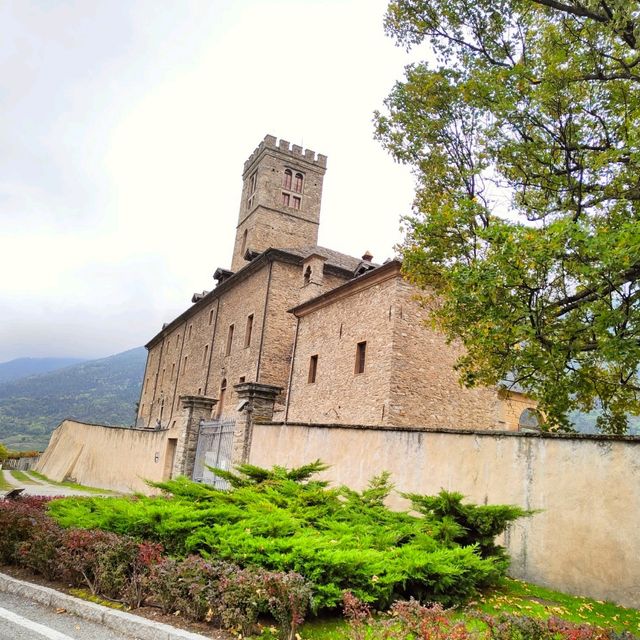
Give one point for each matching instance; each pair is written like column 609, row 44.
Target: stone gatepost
column 255, row 404
column 195, row 410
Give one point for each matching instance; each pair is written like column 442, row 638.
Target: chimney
column 367, row 257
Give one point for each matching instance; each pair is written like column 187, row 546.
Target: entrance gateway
column 215, row 446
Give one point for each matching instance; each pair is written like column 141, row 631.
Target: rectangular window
column 285, row 199
column 361, row 354
column 173, row 370
column 313, row 368
column 229, row 340
column 296, row 202
column 252, row 182
column 205, row 354
column 190, row 327
column 248, row 331
column 211, row 316
column 184, row 368
column 242, row 379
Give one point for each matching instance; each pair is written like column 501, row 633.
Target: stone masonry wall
column 236, row 305
column 424, row 387
column 332, row 333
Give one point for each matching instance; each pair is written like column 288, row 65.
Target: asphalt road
column 23, row 619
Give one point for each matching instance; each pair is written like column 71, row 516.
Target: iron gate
column 215, row 443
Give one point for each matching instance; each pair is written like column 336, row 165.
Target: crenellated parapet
column 285, row 147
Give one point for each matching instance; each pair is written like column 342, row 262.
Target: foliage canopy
column 537, row 100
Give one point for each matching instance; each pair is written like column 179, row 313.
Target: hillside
column 22, row 367
column 104, row 391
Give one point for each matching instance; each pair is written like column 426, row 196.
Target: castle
column 337, row 339
column 301, row 353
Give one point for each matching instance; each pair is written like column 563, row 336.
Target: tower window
column 296, row 202
column 229, row 340
column 297, row 183
column 361, row 354
column 313, row 368
column 248, row 331
column 253, row 181
column 286, row 199
column 286, row 179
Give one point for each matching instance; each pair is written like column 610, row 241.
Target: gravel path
column 42, row 488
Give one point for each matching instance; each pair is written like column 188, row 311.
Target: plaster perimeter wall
column 584, row 540
column 106, row 457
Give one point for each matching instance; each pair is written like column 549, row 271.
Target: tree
column 4, row 453
column 523, row 129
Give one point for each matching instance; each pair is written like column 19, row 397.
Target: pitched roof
column 334, row 258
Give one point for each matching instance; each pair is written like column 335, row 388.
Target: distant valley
column 104, row 391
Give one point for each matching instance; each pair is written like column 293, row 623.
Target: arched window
column 286, row 180
column 530, row 420
column 297, row 183
column 307, row 275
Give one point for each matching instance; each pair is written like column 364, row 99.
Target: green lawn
column 70, row 485
column 514, row 597
column 4, row 484
column 21, row 476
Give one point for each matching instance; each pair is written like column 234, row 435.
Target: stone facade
column 242, row 331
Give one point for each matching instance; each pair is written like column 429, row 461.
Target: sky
column 123, row 131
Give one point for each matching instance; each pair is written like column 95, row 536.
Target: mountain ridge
column 102, row 391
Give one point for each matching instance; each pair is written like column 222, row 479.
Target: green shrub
column 285, row 521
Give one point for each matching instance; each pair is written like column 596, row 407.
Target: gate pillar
column 256, row 402
column 195, row 410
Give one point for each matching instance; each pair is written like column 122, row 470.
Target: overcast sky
column 123, row 130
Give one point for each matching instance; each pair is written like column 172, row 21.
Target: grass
column 21, row 476
column 538, row 602
column 69, row 485
column 4, row 484
column 513, row 597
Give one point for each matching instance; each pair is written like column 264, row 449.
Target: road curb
column 120, row 621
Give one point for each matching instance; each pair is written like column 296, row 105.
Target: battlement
column 285, row 147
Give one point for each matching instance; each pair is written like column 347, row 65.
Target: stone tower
column 281, row 194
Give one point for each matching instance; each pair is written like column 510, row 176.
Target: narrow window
column 184, row 367
column 146, row 385
column 361, row 354
column 253, row 181
column 249, row 329
column 285, row 199
column 205, row 354
column 178, row 341
column 296, row 202
column 173, row 370
column 286, row 180
column 190, row 327
column 307, row 275
column 199, row 391
column 244, row 242
column 297, row 183
column 313, row 368
column 223, row 390
column 229, row 340
column 211, row 316
column 162, row 378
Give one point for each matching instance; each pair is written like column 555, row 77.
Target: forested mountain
column 21, row 367
column 104, row 391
